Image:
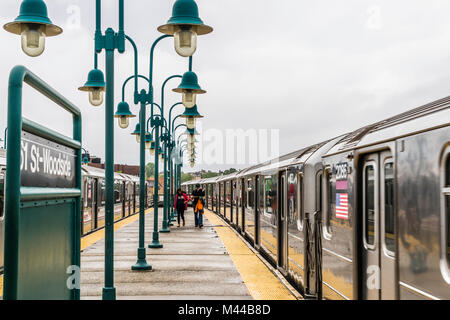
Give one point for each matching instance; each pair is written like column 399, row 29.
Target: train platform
column 212, row 263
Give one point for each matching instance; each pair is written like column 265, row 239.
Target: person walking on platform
column 197, row 203
column 181, row 202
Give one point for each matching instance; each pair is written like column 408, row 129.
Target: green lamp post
column 33, row 25
column 110, row 41
column 185, row 21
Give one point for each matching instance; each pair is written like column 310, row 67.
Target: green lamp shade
column 149, row 138
column 185, row 14
column 96, row 80
column 192, row 132
column 189, row 82
column 85, row 160
column 33, row 12
column 123, row 110
column 137, row 130
column 191, row 112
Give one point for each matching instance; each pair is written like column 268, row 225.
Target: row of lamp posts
column 156, row 134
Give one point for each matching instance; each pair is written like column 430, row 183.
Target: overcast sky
column 312, row 69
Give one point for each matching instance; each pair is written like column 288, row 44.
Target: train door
column 2, row 216
column 379, row 277
column 129, row 193
column 243, row 205
column 95, row 203
column 257, row 210
column 133, row 195
column 232, row 204
column 282, row 223
column 124, row 199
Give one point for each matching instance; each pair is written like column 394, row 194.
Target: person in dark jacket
column 198, row 201
column 181, row 202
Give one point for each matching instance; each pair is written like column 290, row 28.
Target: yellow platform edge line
column 261, row 283
column 96, row 236
column 92, row 238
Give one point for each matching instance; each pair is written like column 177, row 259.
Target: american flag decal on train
column 342, row 206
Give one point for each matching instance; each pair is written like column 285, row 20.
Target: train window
column 268, row 195
column 300, row 201
column 330, row 198
column 389, row 213
column 446, row 210
column 250, row 194
column 292, row 198
column 102, row 191
column 319, row 191
column 369, row 204
column 2, row 192
column 261, row 197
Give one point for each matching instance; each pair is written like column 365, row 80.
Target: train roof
column 292, row 158
column 427, row 117
column 228, row 176
column 100, row 173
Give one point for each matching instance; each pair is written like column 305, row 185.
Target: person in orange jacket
column 181, row 203
column 197, row 203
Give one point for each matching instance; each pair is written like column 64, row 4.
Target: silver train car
column 362, row 216
column 126, row 199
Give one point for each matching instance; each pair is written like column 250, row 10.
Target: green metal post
column 109, row 291
column 172, row 211
column 165, row 224
column 142, row 264
column 172, row 191
column 155, row 243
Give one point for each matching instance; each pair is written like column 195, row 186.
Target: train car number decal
column 341, row 173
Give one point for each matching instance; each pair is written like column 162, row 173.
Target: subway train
column 361, row 216
column 126, row 199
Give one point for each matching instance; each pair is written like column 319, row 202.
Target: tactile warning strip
column 260, row 281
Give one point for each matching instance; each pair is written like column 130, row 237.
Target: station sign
column 46, row 164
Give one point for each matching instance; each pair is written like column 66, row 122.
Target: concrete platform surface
column 193, row 264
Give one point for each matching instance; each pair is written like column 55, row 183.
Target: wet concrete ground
column 193, row 264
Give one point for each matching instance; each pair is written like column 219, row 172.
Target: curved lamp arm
column 150, row 74
column 162, row 92
column 128, row 79
column 135, row 66
column 178, row 126
column 170, row 114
